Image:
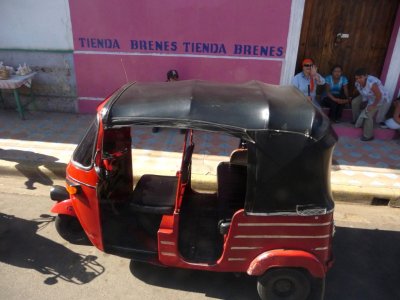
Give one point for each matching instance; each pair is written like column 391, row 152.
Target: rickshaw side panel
column 257, row 243
column 168, row 253
column 250, row 236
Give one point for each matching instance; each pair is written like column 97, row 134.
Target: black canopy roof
column 207, row 105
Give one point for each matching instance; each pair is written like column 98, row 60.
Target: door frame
column 293, row 41
column 390, row 72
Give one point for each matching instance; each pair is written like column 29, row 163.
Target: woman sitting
column 337, row 93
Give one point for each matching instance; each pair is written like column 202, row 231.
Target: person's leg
column 326, row 102
column 335, row 111
column 382, row 111
column 332, row 109
column 340, row 107
column 360, row 120
column 356, row 107
column 339, row 110
column 368, row 128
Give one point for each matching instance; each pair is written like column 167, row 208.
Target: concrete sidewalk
column 44, row 142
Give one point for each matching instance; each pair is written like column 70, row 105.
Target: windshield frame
column 94, row 124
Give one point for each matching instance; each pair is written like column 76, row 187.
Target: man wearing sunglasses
column 307, row 80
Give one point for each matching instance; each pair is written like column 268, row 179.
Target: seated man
column 374, row 93
column 307, row 81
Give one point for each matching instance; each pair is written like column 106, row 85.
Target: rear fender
column 64, row 208
column 281, row 258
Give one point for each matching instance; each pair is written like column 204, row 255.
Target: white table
column 14, row 83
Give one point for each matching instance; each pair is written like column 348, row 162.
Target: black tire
column 284, row 284
column 70, row 229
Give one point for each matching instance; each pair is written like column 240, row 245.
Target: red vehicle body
column 272, row 213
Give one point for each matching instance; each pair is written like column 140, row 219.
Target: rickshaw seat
column 239, row 157
column 155, row 194
column 231, row 193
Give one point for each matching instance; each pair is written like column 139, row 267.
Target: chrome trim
column 80, row 182
column 237, row 259
column 282, row 236
column 272, row 214
column 284, row 213
column 321, row 248
column 167, row 243
column 82, row 167
column 245, row 248
column 168, row 253
column 282, row 224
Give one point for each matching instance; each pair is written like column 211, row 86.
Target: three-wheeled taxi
column 271, row 215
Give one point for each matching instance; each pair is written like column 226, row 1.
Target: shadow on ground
column 211, row 284
column 28, row 164
column 366, row 265
column 22, row 246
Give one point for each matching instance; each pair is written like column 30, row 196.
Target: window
column 84, row 152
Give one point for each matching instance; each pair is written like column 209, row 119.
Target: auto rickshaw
column 271, row 215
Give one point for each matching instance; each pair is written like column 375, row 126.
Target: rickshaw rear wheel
column 70, row 229
column 284, row 283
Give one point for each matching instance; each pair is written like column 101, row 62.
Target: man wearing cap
column 172, row 75
column 307, row 80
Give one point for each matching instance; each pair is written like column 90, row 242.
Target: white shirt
column 367, row 93
column 302, row 83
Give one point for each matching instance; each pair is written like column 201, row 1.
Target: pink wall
column 220, row 40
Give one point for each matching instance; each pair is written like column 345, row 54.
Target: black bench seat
column 155, row 194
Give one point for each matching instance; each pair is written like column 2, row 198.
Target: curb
column 364, row 195
column 201, row 182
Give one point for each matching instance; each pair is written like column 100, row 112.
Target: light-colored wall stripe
column 178, row 55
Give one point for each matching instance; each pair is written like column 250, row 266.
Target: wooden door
column 351, row 33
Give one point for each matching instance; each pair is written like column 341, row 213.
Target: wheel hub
column 283, row 287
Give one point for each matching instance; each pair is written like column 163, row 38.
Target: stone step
column 348, row 130
column 345, row 128
column 346, row 114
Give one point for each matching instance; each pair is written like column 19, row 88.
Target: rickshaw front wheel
column 70, row 229
column 284, row 283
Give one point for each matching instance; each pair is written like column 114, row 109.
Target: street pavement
column 36, row 263
column 367, row 172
